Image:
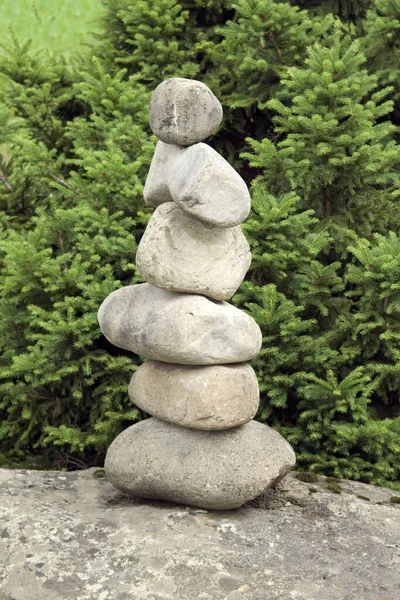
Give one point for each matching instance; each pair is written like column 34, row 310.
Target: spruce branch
column 327, row 194
column 5, row 181
column 67, row 460
column 64, row 183
column 275, row 45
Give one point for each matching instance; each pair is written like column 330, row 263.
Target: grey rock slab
column 72, row 536
column 178, row 328
column 210, row 398
column 182, row 254
column 156, row 190
column 205, row 185
column 184, row 111
column 209, row 469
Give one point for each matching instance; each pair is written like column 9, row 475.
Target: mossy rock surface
column 307, row 477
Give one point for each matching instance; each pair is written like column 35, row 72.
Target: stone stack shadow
column 201, row 446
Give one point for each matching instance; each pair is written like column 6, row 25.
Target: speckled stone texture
column 184, row 111
column 207, row 398
column 72, row 536
column 181, row 254
column 209, row 469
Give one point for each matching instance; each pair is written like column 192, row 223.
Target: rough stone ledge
column 72, row 536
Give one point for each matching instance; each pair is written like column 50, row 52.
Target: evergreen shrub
column 311, row 109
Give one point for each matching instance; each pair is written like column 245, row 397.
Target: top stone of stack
column 184, row 111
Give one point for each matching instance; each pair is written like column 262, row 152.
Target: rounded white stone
column 209, row 398
column 205, row 186
column 211, row 469
column 200, row 181
column 182, row 254
column 178, row 328
column 184, row 111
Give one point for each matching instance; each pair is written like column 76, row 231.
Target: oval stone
column 178, row 328
column 182, row 254
column 210, row 469
column 200, row 181
column 209, row 398
column 184, row 111
column 205, row 185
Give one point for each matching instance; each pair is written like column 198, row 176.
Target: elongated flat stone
column 178, row 328
column 182, row 254
column 209, row 398
column 184, row 111
column 210, row 469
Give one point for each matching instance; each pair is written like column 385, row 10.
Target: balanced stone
column 209, row 398
column 211, row 469
column 200, row 181
column 182, row 254
column 206, row 186
column 178, row 328
column 156, row 190
column 184, row 111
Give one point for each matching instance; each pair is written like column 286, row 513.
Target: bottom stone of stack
column 209, row 469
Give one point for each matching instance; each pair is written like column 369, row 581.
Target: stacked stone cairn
column 201, row 446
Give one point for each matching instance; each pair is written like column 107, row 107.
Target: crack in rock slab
column 72, row 536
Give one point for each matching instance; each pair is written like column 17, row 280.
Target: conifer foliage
column 310, row 100
column 337, row 150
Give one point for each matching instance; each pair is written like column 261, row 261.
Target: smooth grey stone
column 209, row 398
column 178, row 328
column 200, row 181
column 184, row 111
column 182, row 254
column 210, row 469
column 205, row 186
column 156, row 190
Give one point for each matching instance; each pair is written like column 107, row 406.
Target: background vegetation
column 310, row 92
column 59, row 25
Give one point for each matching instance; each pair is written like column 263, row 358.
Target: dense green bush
column 311, row 102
